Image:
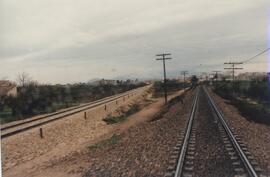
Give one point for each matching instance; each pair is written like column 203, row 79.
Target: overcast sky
column 61, row 41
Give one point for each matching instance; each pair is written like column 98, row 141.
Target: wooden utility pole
column 164, row 70
column 184, row 73
column 233, row 68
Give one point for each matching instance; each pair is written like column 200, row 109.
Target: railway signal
column 216, row 74
column 164, row 71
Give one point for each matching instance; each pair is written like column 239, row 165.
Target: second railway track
column 208, row 146
column 27, row 124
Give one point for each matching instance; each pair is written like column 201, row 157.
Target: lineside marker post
column 85, row 116
column 41, row 133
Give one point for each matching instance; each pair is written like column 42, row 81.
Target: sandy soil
column 256, row 135
column 45, row 165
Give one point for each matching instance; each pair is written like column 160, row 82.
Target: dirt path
column 45, row 165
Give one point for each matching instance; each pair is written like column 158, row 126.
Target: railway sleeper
column 187, row 174
column 189, row 168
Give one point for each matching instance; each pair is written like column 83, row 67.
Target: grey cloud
column 210, row 41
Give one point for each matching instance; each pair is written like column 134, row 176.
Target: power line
column 244, row 61
column 255, row 56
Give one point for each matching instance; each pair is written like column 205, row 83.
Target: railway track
column 209, row 147
column 14, row 128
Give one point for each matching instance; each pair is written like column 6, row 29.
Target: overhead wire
column 255, row 56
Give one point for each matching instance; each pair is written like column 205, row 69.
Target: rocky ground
column 143, row 150
column 141, row 146
column 256, row 135
column 75, row 158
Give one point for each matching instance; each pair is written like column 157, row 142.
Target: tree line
column 251, row 98
column 258, row 90
column 34, row 98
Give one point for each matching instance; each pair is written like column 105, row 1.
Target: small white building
column 8, row 88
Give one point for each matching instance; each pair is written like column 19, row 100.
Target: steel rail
column 99, row 102
column 181, row 159
column 236, row 145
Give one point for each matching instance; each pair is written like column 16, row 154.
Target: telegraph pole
column 164, row 71
column 184, row 73
column 233, row 68
column 211, row 77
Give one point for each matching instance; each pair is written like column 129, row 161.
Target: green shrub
column 257, row 91
column 114, row 119
column 108, row 142
column 133, row 109
column 255, row 112
column 124, row 114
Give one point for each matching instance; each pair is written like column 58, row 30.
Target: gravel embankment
column 143, row 150
column 256, row 136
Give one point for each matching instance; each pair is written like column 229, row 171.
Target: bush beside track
column 251, row 98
